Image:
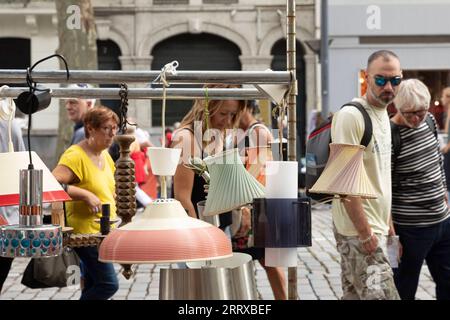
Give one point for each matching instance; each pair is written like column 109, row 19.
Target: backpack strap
column 396, row 142
column 432, row 125
column 368, row 130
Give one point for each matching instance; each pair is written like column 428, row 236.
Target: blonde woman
column 194, row 140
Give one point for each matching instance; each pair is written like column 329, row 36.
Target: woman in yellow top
column 88, row 170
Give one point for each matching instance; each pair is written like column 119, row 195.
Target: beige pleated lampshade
column 164, row 233
column 344, row 174
column 231, row 186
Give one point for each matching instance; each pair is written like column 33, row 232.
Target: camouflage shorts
column 363, row 276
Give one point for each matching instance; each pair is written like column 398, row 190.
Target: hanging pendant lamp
column 231, row 186
column 164, row 233
column 345, row 174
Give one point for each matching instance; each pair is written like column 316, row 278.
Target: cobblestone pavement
column 318, row 274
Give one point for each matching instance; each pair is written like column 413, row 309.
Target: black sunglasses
column 381, row 81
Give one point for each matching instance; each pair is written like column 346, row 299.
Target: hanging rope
column 170, row 68
column 7, row 113
column 280, row 112
column 206, row 115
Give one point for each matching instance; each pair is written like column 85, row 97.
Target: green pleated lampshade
column 231, row 186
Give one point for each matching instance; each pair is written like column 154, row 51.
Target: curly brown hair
column 97, row 116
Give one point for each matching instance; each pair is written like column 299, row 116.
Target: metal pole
column 146, row 93
column 292, row 116
column 324, row 58
column 116, row 76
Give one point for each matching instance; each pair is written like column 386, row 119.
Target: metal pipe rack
column 146, row 93
column 118, row 76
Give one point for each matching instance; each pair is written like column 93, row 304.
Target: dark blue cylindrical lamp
column 282, row 223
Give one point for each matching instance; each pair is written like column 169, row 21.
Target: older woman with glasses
column 88, row 170
column 419, row 205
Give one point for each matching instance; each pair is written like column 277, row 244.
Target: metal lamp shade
column 282, row 223
column 164, row 233
column 29, row 188
column 224, row 279
column 344, row 174
column 11, row 164
column 30, row 242
column 231, row 185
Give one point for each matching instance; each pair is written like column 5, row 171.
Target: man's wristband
column 366, row 240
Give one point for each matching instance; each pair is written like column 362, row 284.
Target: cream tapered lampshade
column 11, row 164
column 275, row 92
column 231, row 186
column 164, row 233
column 345, row 174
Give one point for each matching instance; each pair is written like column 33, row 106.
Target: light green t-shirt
column 348, row 127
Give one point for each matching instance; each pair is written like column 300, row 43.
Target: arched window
column 108, row 53
column 193, row 52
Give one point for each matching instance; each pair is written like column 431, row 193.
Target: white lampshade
column 11, row 164
column 231, row 186
column 164, row 161
column 345, row 174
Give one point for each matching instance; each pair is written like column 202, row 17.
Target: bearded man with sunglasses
column 361, row 226
column 419, row 193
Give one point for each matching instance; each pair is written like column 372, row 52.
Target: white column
column 259, row 63
column 255, row 63
column 139, row 109
column 312, row 94
column 44, row 44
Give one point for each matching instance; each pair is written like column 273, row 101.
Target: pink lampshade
column 11, row 163
column 345, row 174
column 164, row 233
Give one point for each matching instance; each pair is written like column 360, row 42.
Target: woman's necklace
column 381, row 123
column 97, row 159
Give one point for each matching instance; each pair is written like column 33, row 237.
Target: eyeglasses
column 419, row 113
column 110, row 129
column 381, row 81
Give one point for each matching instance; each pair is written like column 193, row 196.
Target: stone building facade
column 146, row 34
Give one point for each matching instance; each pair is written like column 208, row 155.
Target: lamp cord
column 32, row 85
column 169, row 68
